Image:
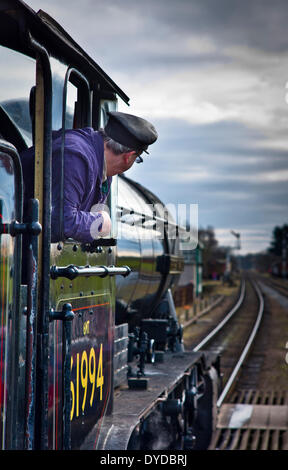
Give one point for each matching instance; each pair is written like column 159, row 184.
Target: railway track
column 280, row 286
column 249, row 418
column 234, row 335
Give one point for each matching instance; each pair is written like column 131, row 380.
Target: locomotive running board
column 116, row 429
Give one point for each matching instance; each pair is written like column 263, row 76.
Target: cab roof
column 17, row 20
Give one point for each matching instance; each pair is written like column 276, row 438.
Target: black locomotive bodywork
column 91, row 349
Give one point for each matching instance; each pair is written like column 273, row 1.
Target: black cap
column 132, row 131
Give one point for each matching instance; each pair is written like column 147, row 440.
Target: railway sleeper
column 253, row 420
column 250, row 439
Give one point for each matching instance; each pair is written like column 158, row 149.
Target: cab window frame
column 82, row 117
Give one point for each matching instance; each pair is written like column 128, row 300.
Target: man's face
column 128, row 160
column 117, row 164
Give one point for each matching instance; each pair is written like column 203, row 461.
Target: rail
column 282, row 289
column 225, row 320
column 246, row 348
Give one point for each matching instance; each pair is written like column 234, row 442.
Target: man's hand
column 106, row 224
column 102, row 224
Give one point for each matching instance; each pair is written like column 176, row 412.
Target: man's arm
column 81, row 225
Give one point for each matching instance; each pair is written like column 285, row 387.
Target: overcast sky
column 211, row 75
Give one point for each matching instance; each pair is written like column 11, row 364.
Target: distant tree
column 279, row 235
column 207, row 238
column 248, row 261
column 264, row 261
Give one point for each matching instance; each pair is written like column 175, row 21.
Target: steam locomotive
column 91, row 350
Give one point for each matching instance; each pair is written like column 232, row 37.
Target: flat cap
column 132, row 131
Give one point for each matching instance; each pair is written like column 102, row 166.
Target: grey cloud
column 261, row 23
column 227, row 145
column 230, row 194
column 142, row 28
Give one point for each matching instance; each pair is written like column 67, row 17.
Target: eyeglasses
column 138, row 159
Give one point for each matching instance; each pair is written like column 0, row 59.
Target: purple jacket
column 83, row 170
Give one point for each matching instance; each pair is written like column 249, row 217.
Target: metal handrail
column 72, row 271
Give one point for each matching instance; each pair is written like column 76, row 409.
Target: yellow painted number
column 84, row 377
column 72, row 394
column 92, row 373
column 86, row 373
column 100, row 378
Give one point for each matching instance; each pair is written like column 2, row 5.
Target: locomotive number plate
column 91, row 368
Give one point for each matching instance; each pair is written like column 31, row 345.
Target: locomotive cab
column 84, row 324
column 64, row 367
